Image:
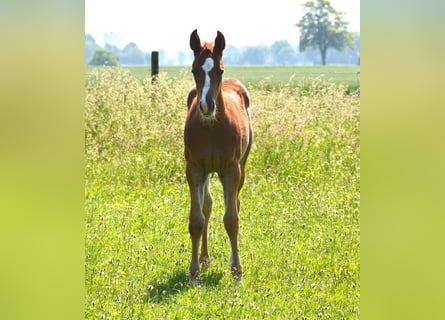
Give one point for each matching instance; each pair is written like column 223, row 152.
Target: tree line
column 279, row 53
column 321, row 28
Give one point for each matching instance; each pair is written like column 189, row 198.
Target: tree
column 254, row 55
column 232, row 55
column 112, row 39
column 132, row 55
column 103, row 57
column 90, row 47
column 322, row 27
column 283, row 53
column 346, row 56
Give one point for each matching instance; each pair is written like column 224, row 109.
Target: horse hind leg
column 241, row 183
column 242, row 166
column 231, row 181
column 204, row 258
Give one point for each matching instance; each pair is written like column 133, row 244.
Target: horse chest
column 211, row 146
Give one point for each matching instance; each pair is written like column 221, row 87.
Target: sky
column 167, row 24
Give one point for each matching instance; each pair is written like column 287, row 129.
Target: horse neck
column 220, row 106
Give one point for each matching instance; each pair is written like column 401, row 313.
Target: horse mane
column 207, row 46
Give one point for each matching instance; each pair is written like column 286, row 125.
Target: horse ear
column 195, row 42
column 220, row 43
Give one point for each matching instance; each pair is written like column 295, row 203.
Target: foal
column 217, row 138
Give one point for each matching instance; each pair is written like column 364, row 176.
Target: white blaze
column 207, row 67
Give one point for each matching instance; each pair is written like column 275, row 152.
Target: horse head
column 207, row 69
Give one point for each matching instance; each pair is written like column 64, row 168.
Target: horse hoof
column 205, row 264
column 237, row 274
column 193, row 276
column 238, row 280
column 193, row 281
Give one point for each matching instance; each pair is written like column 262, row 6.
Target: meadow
column 268, row 76
column 300, row 205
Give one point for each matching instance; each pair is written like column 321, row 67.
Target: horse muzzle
column 207, row 108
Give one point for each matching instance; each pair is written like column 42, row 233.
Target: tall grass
column 299, row 236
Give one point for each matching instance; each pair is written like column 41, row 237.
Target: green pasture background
column 265, row 76
column 300, row 204
column 42, row 164
column 275, row 75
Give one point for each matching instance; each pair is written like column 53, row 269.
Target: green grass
column 276, row 76
column 299, row 236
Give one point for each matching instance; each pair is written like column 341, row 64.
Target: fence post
column 154, row 65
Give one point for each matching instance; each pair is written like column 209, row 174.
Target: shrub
column 103, row 57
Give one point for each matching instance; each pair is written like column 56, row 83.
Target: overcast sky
column 167, row 24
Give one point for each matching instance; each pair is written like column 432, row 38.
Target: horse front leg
column 231, row 179
column 196, row 218
column 204, row 258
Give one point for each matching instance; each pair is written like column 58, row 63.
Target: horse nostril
column 203, row 107
column 210, row 104
column 211, row 107
column 207, row 108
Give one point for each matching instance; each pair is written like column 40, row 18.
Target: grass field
column 276, row 76
column 299, row 236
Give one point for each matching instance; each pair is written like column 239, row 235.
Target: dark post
column 154, row 65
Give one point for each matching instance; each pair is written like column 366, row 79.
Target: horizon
column 124, row 24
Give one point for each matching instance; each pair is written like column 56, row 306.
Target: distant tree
column 310, row 56
column 132, row 55
column 232, row 55
column 357, row 42
column 181, row 58
column 283, row 52
column 346, row 56
column 322, row 27
column 163, row 59
column 112, row 48
column 90, row 47
column 256, row 55
column 147, row 58
column 103, row 57
column 112, row 39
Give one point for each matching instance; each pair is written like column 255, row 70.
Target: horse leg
column 242, row 165
column 196, row 183
column 204, row 258
column 231, row 179
column 242, row 176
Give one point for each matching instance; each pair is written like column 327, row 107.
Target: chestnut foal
column 217, row 138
